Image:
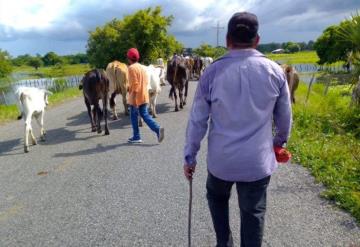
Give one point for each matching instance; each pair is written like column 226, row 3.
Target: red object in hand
column 282, row 155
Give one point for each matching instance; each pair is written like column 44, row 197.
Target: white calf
column 154, row 86
column 32, row 102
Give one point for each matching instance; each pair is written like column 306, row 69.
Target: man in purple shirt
column 240, row 96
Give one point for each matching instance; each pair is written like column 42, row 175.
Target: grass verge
column 326, row 139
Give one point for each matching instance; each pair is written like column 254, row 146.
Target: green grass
column 326, row 139
column 303, row 57
column 53, row 71
column 10, row 112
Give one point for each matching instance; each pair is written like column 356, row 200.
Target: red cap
column 133, row 54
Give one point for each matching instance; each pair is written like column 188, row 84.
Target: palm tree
column 351, row 32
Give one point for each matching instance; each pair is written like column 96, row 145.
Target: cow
column 207, row 61
column 154, row 86
column 177, row 75
column 95, row 86
column 198, row 66
column 32, row 103
column 292, row 78
column 117, row 73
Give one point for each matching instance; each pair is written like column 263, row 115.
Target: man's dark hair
column 243, row 29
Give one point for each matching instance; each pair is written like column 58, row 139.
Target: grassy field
column 303, row 57
column 10, row 112
column 326, row 139
column 53, row 71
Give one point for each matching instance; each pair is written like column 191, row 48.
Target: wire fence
column 7, row 92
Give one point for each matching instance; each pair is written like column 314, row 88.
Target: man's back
column 241, row 90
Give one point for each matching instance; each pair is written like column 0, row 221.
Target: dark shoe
column 161, row 134
column 132, row 140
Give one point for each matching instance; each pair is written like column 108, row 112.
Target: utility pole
column 218, row 28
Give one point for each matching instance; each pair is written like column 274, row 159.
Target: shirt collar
column 244, row 53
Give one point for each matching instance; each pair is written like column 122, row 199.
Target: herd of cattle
column 104, row 85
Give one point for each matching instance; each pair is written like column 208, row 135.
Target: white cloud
column 25, row 15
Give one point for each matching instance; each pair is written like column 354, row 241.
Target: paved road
column 83, row 189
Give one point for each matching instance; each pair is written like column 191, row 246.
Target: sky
column 62, row 26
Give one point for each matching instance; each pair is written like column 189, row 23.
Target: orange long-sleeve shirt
column 138, row 85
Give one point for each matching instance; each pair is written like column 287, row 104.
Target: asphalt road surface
column 84, row 189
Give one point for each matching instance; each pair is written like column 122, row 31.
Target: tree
column 5, row 64
column 310, row 45
column 79, row 58
column 350, row 33
column 35, row 62
column 330, row 47
column 291, row 47
column 21, row 60
column 145, row 29
column 206, row 50
column 51, row 58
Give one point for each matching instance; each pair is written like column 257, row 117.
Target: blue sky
column 39, row 26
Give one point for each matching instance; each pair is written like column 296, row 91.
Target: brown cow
column 95, row 85
column 292, row 78
column 118, row 75
column 178, row 76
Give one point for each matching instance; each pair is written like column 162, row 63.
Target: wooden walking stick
column 190, row 207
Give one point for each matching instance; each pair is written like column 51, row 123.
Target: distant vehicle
column 278, row 51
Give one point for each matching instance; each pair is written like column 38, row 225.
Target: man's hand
column 282, row 155
column 189, row 171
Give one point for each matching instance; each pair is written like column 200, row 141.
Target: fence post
column 3, row 94
column 309, row 88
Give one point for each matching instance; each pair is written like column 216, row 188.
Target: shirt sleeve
column 282, row 114
column 134, row 84
column 198, row 122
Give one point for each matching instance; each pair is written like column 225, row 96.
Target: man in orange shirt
column 139, row 98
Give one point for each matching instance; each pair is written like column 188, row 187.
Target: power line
column 218, row 28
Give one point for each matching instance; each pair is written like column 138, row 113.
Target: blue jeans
column 144, row 113
column 252, row 203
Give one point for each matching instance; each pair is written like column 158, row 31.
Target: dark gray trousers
column 252, row 204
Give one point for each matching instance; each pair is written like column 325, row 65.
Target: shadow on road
column 80, row 119
column 11, row 145
column 100, row 148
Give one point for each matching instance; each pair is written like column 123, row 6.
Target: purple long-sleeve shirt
column 240, row 96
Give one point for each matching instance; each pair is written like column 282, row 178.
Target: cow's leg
column 88, row 107
column 40, row 121
column 33, row 139
column 94, row 118
column 186, row 90
column 113, row 105
column 98, row 118
column 154, row 106
column 176, row 104
column 181, row 96
column 105, row 99
column 27, row 131
column 126, row 107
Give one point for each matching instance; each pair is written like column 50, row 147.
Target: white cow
column 154, row 86
column 207, row 61
column 32, row 102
